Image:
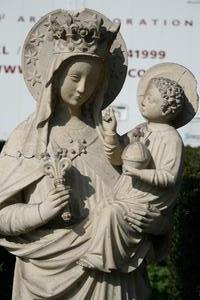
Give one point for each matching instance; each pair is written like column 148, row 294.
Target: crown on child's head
column 78, row 35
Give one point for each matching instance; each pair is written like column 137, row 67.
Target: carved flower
column 83, row 32
column 74, row 29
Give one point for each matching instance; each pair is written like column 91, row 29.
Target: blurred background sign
column 155, row 31
column 121, row 112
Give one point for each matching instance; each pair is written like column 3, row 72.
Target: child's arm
column 170, row 167
column 112, row 145
column 162, row 178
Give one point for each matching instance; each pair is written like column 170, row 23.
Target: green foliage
column 1, row 267
column 1, row 144
column 184, row 259
column 180, row 280
column 7, row 262
column 159, row 276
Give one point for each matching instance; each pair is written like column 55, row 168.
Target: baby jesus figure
column 152, row 171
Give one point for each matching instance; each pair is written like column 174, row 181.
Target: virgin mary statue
column 74, row 64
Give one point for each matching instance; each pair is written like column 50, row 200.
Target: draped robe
column 47, row 254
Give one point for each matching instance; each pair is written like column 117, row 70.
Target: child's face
column 152, row 104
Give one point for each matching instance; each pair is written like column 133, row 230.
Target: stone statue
column 63, row 198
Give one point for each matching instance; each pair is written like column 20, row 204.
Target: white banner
column 155, row 31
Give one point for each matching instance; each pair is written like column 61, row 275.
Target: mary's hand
column 146, row 218
column 57, row 199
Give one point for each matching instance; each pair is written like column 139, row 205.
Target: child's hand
column 131, row 171
column 109, row 120
column 56, row 200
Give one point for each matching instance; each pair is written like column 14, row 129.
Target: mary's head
column 77, row 60
column 77, row 82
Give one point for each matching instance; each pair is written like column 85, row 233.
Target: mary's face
column 79, row 80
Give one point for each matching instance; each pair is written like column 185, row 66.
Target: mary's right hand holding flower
column 56, row 200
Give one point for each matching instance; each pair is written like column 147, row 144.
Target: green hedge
column 1, row 144
column 159, row 276
column 179, row 278
column 184, row 260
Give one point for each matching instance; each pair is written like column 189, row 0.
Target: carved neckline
column 67, row 136
column 77, row 131
column 73, row 123
column 159, row 127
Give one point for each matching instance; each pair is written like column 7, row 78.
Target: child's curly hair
column 172, row 93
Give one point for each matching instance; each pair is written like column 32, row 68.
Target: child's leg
column 110, row 245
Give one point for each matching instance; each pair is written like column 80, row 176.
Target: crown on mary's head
column 74, row 34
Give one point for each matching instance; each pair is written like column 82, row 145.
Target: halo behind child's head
column 184, row 78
